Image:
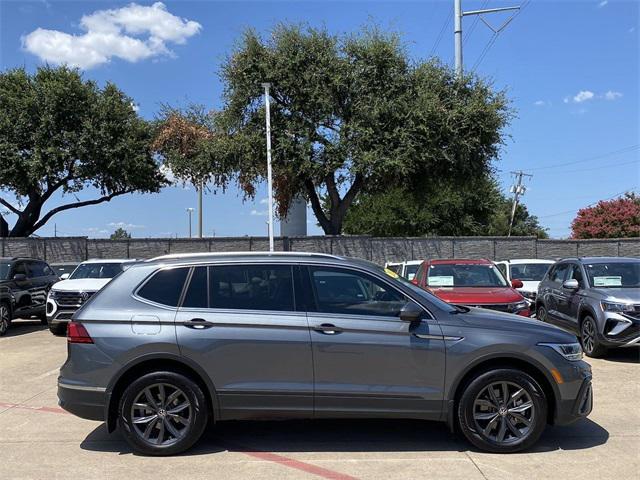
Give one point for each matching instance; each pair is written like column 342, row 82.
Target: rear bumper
column 571, row 410
column 83, row 401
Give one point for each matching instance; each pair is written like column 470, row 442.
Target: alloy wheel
column 161, row 414
column 504, row 413
column 588, row 336
column 4, row 319
column 542, row 314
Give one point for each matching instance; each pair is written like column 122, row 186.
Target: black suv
column 24, row 284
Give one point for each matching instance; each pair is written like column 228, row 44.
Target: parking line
column 261, row 455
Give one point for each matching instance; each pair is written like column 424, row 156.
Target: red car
column 474, row 283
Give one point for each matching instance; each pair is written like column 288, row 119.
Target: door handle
column 327, row 329
column 198, row 323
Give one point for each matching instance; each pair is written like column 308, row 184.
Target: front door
column 366, row 360
column 240, row 323
column 570, row 299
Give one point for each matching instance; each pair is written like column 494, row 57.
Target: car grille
column 636, row 312
column 72, row 298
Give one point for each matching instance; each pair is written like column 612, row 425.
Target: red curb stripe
column 298, row 465
column 265, row 456
column 37, row 409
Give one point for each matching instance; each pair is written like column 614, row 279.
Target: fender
column 213, row 395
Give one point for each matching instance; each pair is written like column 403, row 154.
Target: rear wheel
column 589, row 338
column 162, row 413
column 5, row 318
column 502, row 411
column 541, row 314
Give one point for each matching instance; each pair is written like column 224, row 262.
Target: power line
column 632, row 162
column 587, row 206
column 474, row 24
column 441, row 34
column 486, row 49
column 589, row 159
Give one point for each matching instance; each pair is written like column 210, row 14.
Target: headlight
column 516, row 307
column 617, row 307
column 570, row 351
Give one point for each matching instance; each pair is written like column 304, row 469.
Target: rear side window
column 165, row 286
column 251, row 287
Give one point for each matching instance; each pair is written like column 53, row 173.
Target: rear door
column 366, row 360
column 241, row 323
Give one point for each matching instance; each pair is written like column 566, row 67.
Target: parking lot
column 40, row 440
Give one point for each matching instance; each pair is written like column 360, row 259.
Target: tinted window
column 529, row 271
column 503, row 269
column 96, row 270
column 165, row 286
column 19, row 267
column 354, row 293
column 251, row 287
column 196, row 296
column 411, row 271
column 37, row 269
column 614, row 274
column 558, row 273
column 5, row 268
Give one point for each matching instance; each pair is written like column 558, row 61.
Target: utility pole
column 190, row 212
column 457, row 27
column 517, row 190
column 200, row 209
column 269, row 179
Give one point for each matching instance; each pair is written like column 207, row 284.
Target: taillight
column 76, row 333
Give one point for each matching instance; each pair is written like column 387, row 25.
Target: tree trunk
column 28, row 218
column 4, row 227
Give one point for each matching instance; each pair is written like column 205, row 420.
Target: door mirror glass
column 19, row 277
column 571, row 284
column 515, row 283
column 410, row 312
column 64, row 276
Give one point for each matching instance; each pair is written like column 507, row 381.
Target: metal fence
column 377, row 249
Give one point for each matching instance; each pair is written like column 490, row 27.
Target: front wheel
column 162, row 413
column 5, row 318
column 589, row 339
column 502, row 411
column 541, row 314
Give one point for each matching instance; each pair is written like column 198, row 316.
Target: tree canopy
column 618, row 218
column 120, row 234
column 350, row 114
column 61, row 133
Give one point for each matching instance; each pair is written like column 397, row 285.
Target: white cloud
column 125, row 225
column 565, row 100
column 583, row 96
column 540, row 103
column 611, row 95
column 264, row 201
column 132, row 33
column 603, row 3
column 260, row 213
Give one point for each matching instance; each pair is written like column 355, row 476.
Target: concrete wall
column 379, row 250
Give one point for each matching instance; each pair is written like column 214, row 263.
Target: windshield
column 4, row 270
column 464, row 275
column 428, row 296
column 614, row 275
column 96, row 270
column 529, row 272
column 410, row 271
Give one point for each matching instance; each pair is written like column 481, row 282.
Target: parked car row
column 30, row 287
column 598, row 298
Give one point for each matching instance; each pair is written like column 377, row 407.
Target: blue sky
column 570, row 68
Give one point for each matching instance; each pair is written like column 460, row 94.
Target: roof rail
column 173, row 256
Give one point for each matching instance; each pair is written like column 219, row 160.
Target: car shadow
column 21, row 326
column 348, row 436
column 623, row 355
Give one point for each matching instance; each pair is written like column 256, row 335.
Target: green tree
column 524, row 224
column 350, row 114
column 120, row 234
column 62, row 134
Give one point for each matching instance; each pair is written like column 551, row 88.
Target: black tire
column 484, row 433
column 589, row 338
column 541, row 314
column 58, row 329
column 43, row 318
column 5, row 318
column 180, row 435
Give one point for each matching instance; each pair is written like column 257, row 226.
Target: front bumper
column 620, row 330
column 570, row 410
column 83, row 401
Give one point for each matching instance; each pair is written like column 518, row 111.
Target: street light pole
column 200, row 188
column 189, row 212
column 269, row 179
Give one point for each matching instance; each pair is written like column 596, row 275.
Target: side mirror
column 410, row 312
column 515, row 283
column 19, row 277
column 571, row 284
column 64, row 276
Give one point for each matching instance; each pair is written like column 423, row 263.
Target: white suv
column 529, row 271
column 406, row 269
column 67, row 295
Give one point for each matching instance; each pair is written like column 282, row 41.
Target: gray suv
column 597, row 297
column 178, row 341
